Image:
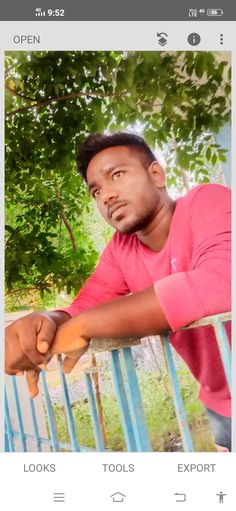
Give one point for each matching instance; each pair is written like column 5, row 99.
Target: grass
column 160, row 415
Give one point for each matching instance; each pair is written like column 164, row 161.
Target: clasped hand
column 33, row 340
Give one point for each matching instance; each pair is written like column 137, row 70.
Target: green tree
column 54, row 100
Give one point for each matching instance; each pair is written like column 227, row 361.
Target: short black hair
column 97, row 142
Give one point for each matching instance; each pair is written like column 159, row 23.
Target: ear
column 157, row 174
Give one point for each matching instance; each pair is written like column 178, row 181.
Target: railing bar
column 178, row 402
column 135, row 402
column 224, row 347
column 9, row 431
column 69, row 415
column 50, row 414
column 128, row 396
column 94, row 414
column 35, row 426
column 19, row 415
column 123, row 402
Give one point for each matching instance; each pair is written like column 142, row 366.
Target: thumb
column 46, row 335
column 72, row 358
column 68, row 364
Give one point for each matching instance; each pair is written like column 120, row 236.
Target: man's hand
column 70, row 342
column 27, row 343
column 134, row 315
column 21, row 363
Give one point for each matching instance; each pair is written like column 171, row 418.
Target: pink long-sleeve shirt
column 191, row 277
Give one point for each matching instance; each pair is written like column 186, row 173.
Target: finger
column 45, row 334
column 47, row 356
column 42, row 366
column 10, row 372
column 15, row 359
column 16, row 362
column 28, row 343
column 71, row 360
column 42, row 346
column 32, row 377
column 68, row 364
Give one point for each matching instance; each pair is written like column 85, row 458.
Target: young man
column 167, row 265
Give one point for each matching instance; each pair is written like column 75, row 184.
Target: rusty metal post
column 98, row 398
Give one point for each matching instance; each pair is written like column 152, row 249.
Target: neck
column 155, row 234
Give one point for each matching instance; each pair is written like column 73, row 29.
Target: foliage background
column 178, row 101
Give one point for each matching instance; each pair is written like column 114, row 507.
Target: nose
column 108, row 193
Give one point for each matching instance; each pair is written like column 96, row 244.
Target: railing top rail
column 97, row 345
column 100, row 345
column 209, row 320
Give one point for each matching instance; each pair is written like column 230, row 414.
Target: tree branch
column 185, row 179
column 64, row 216
column 48, row 101
column 18, row 94
column 18, row 290
column 69, row 229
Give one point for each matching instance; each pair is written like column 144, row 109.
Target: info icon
column 194, row 39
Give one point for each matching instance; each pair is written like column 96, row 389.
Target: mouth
column 115, row 208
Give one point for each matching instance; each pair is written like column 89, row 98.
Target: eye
column 118, row 174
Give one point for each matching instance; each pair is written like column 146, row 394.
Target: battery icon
column 214, row 12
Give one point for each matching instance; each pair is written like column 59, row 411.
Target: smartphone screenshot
column 117, row 384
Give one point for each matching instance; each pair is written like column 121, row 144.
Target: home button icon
column 118, row 497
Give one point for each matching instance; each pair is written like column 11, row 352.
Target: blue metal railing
column 177, row 399
column 128, row 396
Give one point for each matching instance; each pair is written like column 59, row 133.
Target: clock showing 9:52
column 51, row 13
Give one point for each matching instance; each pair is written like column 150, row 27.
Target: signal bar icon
column 39, row 11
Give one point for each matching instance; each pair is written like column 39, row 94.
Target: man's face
column 126, row 192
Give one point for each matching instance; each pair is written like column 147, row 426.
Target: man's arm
column 205, row 288
column 138, row 314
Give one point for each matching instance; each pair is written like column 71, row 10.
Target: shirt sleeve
column 206, row 288
column 106, row 283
